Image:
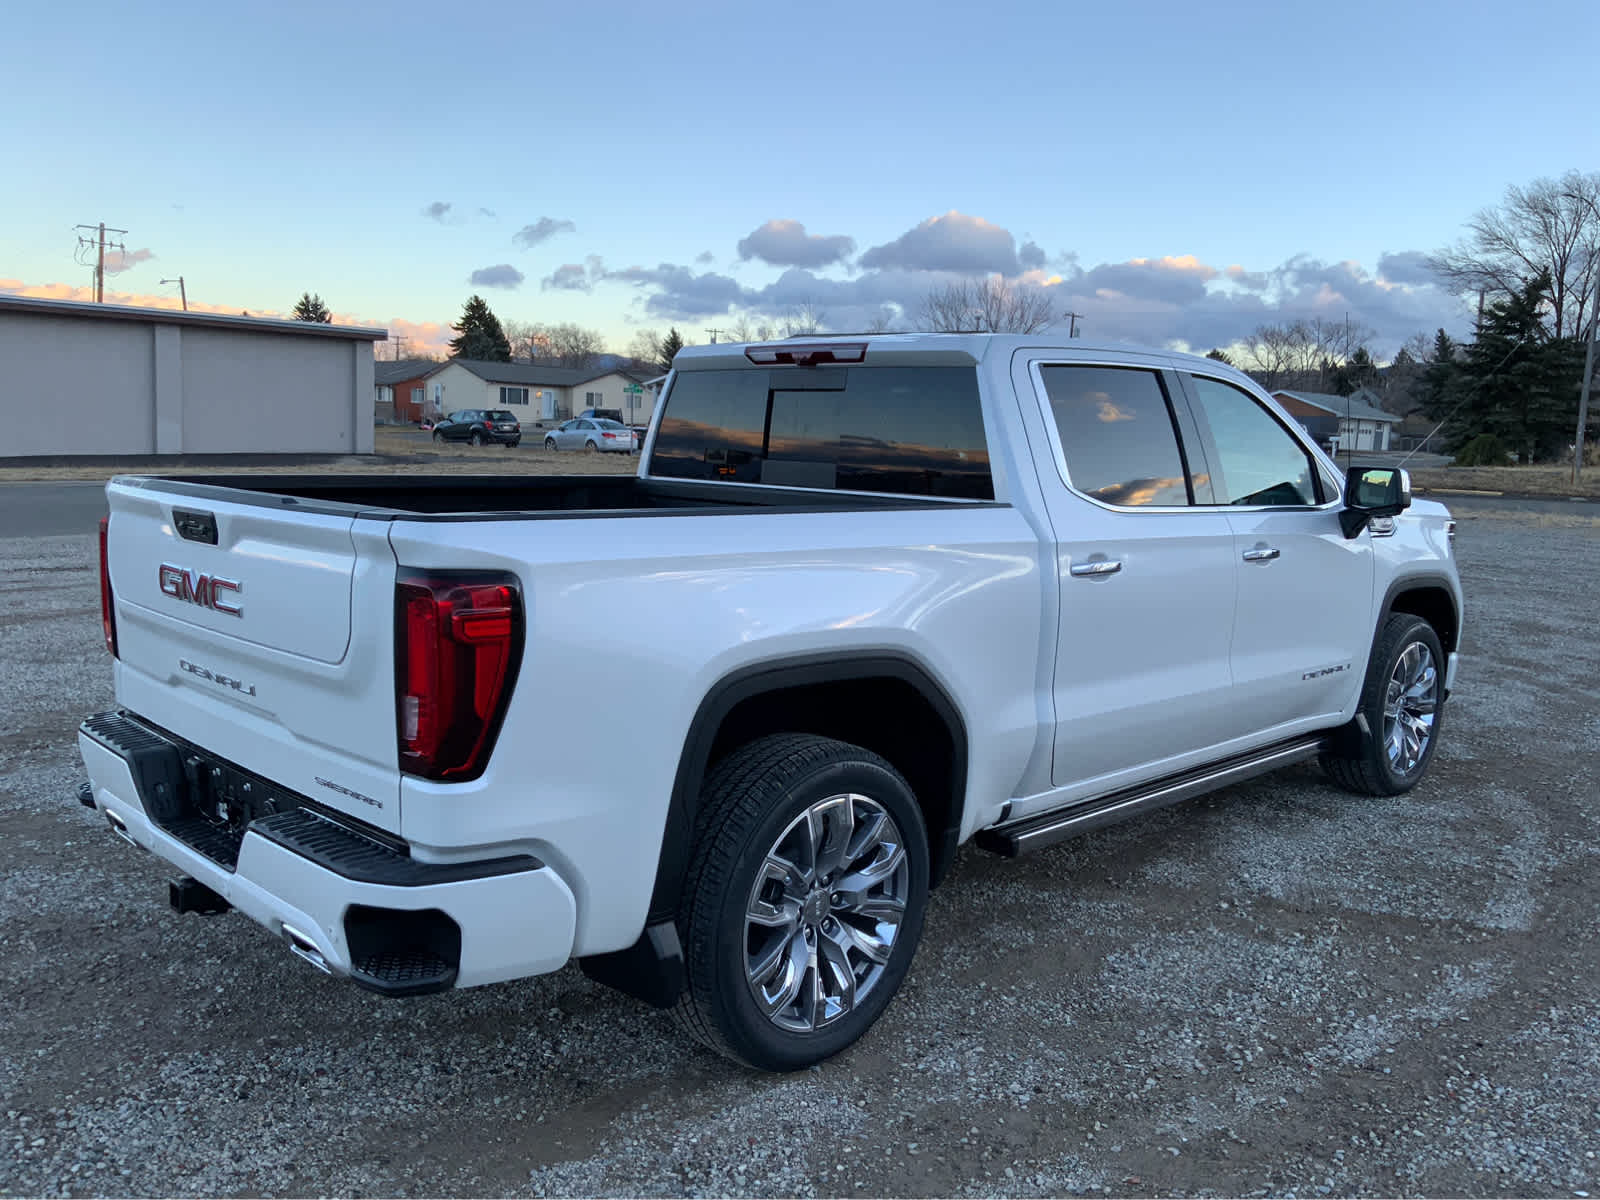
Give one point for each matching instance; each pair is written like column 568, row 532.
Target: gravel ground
column 1277, row 989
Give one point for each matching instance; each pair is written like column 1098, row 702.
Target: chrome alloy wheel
column 824, row 912
column 1409, row 708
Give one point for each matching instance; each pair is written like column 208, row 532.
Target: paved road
column 1279, row 988
column 50, row 509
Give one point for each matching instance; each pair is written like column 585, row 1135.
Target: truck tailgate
column 235, row 632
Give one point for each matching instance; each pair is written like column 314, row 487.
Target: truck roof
column 930, row 348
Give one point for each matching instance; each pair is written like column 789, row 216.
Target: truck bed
column 509, row 497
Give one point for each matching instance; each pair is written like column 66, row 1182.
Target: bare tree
column 524, row 336
column 882, row 321
column 1304, row 354
column 573, row 346
column 990, row 305
column 1550, row 226
column 645, row 349
column 802, row 319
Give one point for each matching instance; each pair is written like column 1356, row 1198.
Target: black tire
column 1364, row 762
column 437, row 436
column 590, row 448
column 513, row 444
column 476, row 439
column 751, row 800
column 550, row 443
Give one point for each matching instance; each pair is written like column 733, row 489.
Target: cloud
column 1030, row 255
column 486, row 212
column 541, row 230
column 705, row 256
column 118, row 261
column 570, row 278
column 953, row 242
column 1255, row 281
column 679, row 292
column 1408, row 266
column 438, row 210
column 786, row 243
column 502, row 276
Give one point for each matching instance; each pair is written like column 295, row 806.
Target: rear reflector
column 807, row 355
column 108, row 613
column 458, row 639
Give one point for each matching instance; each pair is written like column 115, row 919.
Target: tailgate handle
column 195, row 526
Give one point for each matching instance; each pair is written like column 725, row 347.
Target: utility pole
column 1583, row 397
column 713, row 333
column 182, row 293
column 98, row 243
column 1075, row 318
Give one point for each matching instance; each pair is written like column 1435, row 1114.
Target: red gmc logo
column 208, row 591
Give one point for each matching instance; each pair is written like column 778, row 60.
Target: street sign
column 633, row 388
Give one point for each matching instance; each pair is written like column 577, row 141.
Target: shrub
column 1485, row 450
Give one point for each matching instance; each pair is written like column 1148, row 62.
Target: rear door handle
column 1261, row 554
column 1093, row 570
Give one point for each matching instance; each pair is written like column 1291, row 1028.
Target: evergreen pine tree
column 480, row 335
column 311, row 308
column 670, row 345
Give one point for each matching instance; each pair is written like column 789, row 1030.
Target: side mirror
column 1373, row 492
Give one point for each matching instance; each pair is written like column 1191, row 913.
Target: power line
column 98, row 243
column 714, row 333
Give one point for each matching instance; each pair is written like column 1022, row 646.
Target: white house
column 1355, row 420
column 536, row 393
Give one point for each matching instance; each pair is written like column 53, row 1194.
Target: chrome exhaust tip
column 303, row 947
column 120, row 828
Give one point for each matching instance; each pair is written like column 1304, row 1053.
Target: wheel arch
column 839, row 696
column 1430, row 597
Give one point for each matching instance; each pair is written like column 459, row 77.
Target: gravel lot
column 1278, row 989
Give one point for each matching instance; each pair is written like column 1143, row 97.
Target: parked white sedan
column 591, row 435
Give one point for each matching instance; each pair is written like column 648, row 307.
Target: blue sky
column 1125, row 156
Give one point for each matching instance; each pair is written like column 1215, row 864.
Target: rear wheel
column 1401, row 702
column 805, row 903
column 590, row 448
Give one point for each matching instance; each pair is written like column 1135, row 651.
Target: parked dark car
column 479, row 426
column 604, row 414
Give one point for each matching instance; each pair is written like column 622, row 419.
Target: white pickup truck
column 714, row 730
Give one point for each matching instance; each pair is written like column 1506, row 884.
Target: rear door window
column 906, row 430
column 1118, row 435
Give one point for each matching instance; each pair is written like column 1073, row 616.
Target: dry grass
column 1523, row 481
column 399, row 452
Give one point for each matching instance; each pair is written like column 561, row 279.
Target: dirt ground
column 1278, row 989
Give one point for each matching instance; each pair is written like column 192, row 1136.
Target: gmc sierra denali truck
column 714, row 730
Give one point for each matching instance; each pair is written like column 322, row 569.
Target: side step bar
column 1048, row 828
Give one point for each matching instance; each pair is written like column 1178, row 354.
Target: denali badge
column 208, row 591
column 238, row 685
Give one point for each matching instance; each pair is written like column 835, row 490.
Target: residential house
column 537, row 394
column 1353, row 422
column 401, row 390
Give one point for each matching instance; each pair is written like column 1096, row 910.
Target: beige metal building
column 105, row 379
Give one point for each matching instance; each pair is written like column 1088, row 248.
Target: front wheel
column 805, row 902
column 549, row 443
column 477, row 438
column 437, row 436
column 1401, row 703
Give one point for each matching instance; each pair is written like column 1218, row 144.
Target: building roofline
column 168, row 316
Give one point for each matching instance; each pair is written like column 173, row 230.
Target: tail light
column 609, row 436
column 108, row 614
column 458, row 638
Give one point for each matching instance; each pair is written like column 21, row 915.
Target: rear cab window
column 914, row 431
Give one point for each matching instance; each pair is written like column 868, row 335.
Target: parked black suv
column 479, row 425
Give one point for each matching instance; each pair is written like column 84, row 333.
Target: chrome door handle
column 1261, row 554
column 1096, row 569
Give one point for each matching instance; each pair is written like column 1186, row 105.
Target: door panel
column 1304, row 617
